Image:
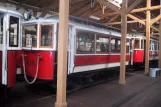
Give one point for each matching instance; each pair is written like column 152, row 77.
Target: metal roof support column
column 62, row 53
column 148, row 17
column 123, row 42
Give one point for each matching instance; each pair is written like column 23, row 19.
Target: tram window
column 46, row 36
column 127, row 46
column 13, row 31
column 102, row 44
column 115, row 45
column 155, row 45
column 152, row 46
column 142, row 44
column 85, row 42
column 1, row 31
column 137, row 43
column 29, row 36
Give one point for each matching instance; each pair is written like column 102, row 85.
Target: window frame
column 127, row 52
column 139, row 43
column 77, row 41
column 30, row 24
column 18, row 35
column 114, row 37
column 103, row 36
column 40, row 34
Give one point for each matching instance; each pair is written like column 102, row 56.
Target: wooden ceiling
column 84, row 9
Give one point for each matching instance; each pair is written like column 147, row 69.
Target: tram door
column 71, row 47
column 132, row 50
column 9, row 48
column 1, row 45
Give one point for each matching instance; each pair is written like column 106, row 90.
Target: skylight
column 119, row 1
column 115, row 2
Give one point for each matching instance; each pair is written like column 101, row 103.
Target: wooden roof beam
column 82, row 10
column 77, row 6
column 129, row 9
column 117, row 23
column 91, row 11
column 47, row 9
column 136, row 19
column 155, row 20
column 131, row 21
column 136, row 10
column 153, row 27
column 109, row 5
column 146, row 8
column 114, row 18
column 75, row 1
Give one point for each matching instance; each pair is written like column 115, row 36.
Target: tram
column 10, row 46
column 91, row 47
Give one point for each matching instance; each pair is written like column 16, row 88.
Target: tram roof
column 10, row 11
column 85, row 9
column 73, row 20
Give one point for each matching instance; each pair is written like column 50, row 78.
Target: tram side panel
column 97, row 51
column 86, row 63
column 154, row 50
column 11, row 80
column 14, row 60
column 138, row 55
column 39, row 59
column 46, row 68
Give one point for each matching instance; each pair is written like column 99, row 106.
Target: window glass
column 137, row 43
column 46, row 36
column 102, row 44
column 85, row 42
column 152, row 45
column 29, row 35
column 115, row 45
column 155, row 45
column 1, row 31
column 127, row 45
column 142, row 43
column 13, row 31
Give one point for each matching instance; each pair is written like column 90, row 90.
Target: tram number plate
column 30, row 63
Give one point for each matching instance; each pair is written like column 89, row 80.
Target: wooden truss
column 125, row 12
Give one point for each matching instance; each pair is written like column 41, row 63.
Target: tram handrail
column 37, row 69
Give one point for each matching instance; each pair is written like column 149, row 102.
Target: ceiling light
column 94, row 17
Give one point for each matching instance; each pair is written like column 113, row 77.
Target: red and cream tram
column 10, row 47
column 91, row 47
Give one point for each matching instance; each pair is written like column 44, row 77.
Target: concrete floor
column 139, row 91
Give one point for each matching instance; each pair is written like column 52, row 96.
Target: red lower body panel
column 46, row 64
column 13, row 59
column 153, row 53
column 11, row 76
column 98, row 59
column 138, row 55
